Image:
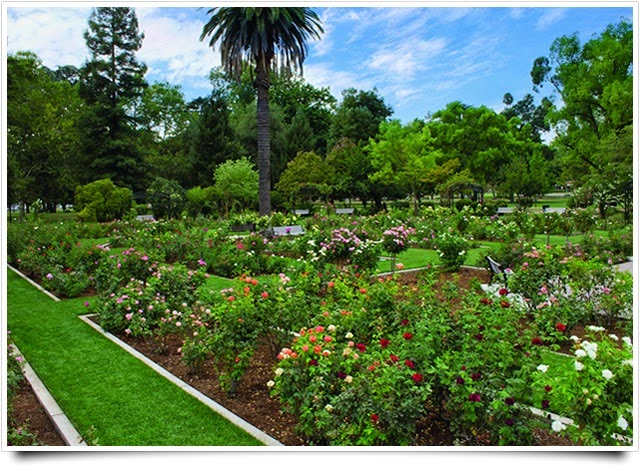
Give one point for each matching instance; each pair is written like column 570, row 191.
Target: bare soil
column 27, row 412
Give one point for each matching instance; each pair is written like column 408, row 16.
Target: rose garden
column 361, row 357
column 268, row 265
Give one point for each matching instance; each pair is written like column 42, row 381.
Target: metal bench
column 301, row 212
column 344, row 211
column 560, row 210
column 295, row 230
column 504, row 210
column 496, row 269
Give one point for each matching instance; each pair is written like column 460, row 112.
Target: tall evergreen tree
column 110, row 83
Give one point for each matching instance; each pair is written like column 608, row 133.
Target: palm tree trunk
column 264, row 151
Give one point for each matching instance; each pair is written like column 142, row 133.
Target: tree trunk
column 264, row 152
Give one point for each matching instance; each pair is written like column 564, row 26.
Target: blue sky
column 419, row 58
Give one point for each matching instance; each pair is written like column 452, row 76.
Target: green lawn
column 100, row 386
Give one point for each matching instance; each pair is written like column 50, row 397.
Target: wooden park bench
column 344, row 211
column 496, row 269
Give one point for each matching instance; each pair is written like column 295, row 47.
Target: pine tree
column 111, row 81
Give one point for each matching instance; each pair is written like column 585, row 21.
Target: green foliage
column 42, row 134
column 358, row 116
column 102, row 201
column 452, row 249
column 594, row 81
column 111, row 81
column 306, row 178
column 152, row 307
column 199, row 200
column 401, row 157
column 236, row 184
column 167, row 198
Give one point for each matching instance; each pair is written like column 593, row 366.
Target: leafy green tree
column 272, row 39
column 358, row 116
column 42, row 136
column 111, row 82
column 351, row 170
column 479, row 137
column 236, row 184
column 526, row 178
column 102, row 201
column 594, row 82
column 401, row 157
column 307, row 177
column 306, row 108
column 531, row 115
column 162, row 111
column 167, row 198
column 200, row 200
column 211, row 138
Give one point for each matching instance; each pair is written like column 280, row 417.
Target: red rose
column 475, row 397
column 409, row 363
column 548, row 388
column 265, row 295
column 384, row 343
column 407, row 336
column 374, row 417
column 503, row 291
column 394, row 358
column 417, row 377
column 505, row 304
column 536, row 341
column 361, row 347
column 561, row 327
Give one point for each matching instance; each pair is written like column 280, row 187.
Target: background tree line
column 70, row 127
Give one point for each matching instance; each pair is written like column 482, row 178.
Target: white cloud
column 54, row 34
column 403, row 60
column 550, row 17
column 172, row 47
column 321, row 75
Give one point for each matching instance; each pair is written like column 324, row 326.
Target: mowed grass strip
column 110, row 396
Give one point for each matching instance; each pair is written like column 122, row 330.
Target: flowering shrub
column 596, row 391
column 346, row 392
column 371, row 365
column 150, row 309
column 452, row 249
column 396, row 239
column 346, row 247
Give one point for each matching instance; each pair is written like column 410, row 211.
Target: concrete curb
column 227, row 414
column 33, row 283
column 65, row 428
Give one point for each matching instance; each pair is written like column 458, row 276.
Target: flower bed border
column 61, row 422
column 230, row 416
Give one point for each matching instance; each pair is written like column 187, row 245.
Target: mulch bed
column 28, row 413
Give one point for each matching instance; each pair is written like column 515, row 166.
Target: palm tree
column 272, row 39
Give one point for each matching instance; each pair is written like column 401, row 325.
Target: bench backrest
column 496, row 268
column 344, row 211
column 295, row 230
